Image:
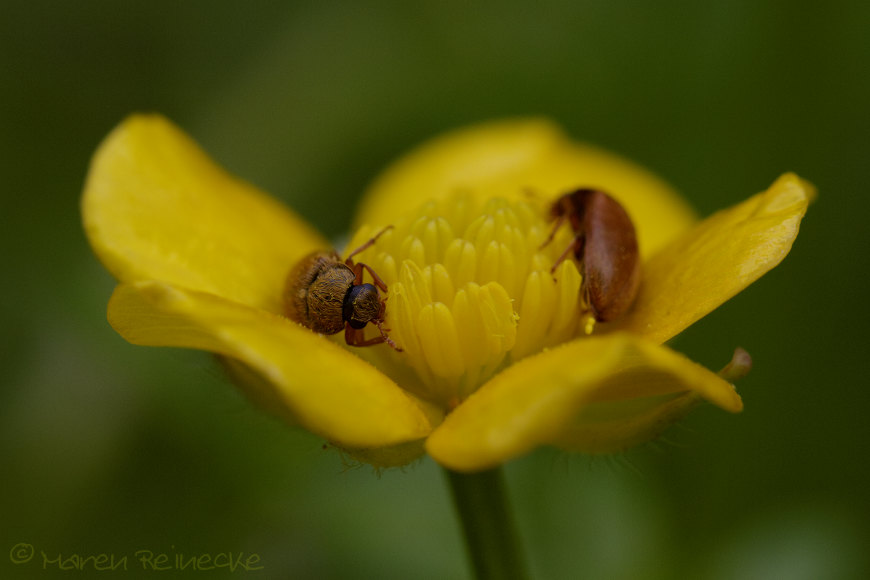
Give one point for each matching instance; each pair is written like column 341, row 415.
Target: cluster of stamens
column 471, row 290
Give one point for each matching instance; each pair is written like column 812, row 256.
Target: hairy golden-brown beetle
column 604, row 245
column 328, row 296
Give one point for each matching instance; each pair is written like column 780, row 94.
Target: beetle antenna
column 384, row 335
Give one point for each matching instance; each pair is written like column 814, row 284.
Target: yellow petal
column 308, row 379
column 717, row 259
column 156, row 207
column 597, row 394
column 528, row 158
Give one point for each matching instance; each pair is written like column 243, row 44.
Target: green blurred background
column 110, row 448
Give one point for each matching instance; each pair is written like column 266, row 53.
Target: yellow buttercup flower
column 498, row 355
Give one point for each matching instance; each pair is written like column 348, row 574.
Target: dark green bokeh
column 108, row 448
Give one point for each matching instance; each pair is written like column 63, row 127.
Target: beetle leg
column 356, row 337
column 358, row 269
column 556, row 225
column 587, row 299
column 576, row 246
column 366, row 245
column 375, row 278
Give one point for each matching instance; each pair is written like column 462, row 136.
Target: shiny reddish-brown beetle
column 328, row 296
column 605, row 247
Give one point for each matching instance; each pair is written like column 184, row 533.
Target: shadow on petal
column 595, row 394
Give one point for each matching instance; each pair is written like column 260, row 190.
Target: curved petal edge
column 595, row 395
column 531, row 158
column 156, row 207
column 716, row 259
column 306, row 378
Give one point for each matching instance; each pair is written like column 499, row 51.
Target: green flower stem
column 487, row 521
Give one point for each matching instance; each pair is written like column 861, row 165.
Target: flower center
column 470, row 291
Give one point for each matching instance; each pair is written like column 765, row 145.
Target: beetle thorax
column 362, row 304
